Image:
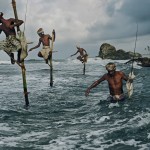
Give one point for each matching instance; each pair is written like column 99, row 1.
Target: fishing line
column 134, row 49
column 25, row 15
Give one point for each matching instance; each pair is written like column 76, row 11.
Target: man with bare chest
column 115, row 83
column 45, row 41
column 11, row 44
column 83, row 54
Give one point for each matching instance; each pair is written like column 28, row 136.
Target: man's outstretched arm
column 74, row 54
column 35, row 46
column 16, row 23
column 94, row 85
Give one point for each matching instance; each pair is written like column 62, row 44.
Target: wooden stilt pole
column 84, row 62
column 84, row 68
column 51, row 52
column 25, row 84
column 51, row 72
column 22, row 63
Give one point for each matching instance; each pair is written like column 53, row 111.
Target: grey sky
column 86, row 23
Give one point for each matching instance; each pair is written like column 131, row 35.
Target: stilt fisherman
column 12, row 43
column 83, row 54
column 46, row 52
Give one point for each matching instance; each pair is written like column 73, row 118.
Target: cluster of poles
column 22, row 65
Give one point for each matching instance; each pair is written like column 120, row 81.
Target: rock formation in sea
column 108, row 51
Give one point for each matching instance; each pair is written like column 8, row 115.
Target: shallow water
column 62, row 118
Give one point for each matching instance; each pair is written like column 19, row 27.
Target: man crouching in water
column 115, row 82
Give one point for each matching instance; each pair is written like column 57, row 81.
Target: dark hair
column 1, row 14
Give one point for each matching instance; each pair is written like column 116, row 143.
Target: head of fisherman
column 111, row 68
column 40, row 32
column 1, row 16
column 78, row 47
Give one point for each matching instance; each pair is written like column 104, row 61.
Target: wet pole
column 22, row 63
column 51, row 52
column 51, row 72
column 84, row 68
column 84, row 62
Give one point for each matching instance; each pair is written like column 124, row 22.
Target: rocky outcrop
column 142, row 61
column 108, row 51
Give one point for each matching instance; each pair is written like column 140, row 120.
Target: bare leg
column 40, row 55
column 80, row 58
column 12, row 58
column 50, row 55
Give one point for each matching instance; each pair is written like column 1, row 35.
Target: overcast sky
column 86, row 23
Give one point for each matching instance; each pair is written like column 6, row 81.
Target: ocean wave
column 5, row 62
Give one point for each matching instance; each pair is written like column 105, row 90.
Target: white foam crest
column 100, row 133
column 100, row 61
column 131, row 142
column 64, row 80
column 136, row 66
column 144, row 147
column 5, row 62
column 105, row 61
column 99, row 140
column 118, row 122
column 136, row 121
column 145, row 119
column 148, row 135
column 61, row 143
column 56, row 62
column 69, row 142
column 90, row 61
column 72, row 61
column 31, row 136
column 102, row 119
column 5, row 127
column 140, row 120
column 111, row 105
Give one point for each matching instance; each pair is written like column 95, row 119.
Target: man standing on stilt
column 46, row 52
column 11, row 44
column 83, row 54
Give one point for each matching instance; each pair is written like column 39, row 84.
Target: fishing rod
column 129, row 84
column 22, row 63
column 134, row 49
column 25, row 17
